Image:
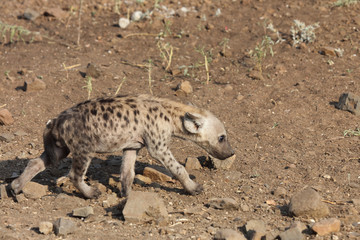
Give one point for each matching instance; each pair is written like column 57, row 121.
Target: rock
column 46, row 227
column 308, row 203
column 110, row 201
column 136, row 16
column 20, row 133
column 6, row 137
column 156, row 175
column 31, row 14
column 280, row 192
column 255, row 228
column 56, row 12
column 327, row 51
column 83, row 212
column 20, row 198
column 192, row 163
column 92, row 71
column 193, row 210
column 228, row 234
column 124, row 23
column 244, row 207
column 299, row 226
column 63, row 226
column 3, row 192
column 223, row 164
column 142, row 180
column 144, row 207
column 256, row 75
column 356, row 201
column 327, row 226
column 5, row 117
column 349, row 102
column 34, row 190
column 228, row 87
column 185, row 87
column 223, row 203
column 291, row 234
column 280, row 69
column 34, row 85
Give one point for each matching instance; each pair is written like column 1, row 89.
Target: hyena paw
column 125, row 192
column 197, row 190
column 93, row 194
column 15, row 186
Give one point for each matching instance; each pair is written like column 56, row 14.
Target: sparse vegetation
column 120, row 85
column 166, row 53
column 12, row 33
column 207, row 59
column 260, row 52
column 352, row 133
column 88, row 85
column 342, row 3
column 302, row 33
column 225, row 45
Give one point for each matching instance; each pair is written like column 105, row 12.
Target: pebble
column 144, row 207
column 124, row 23
column 192, row 163
column 244, row 207
column 356, row 201
column 46, row 227
column 6, row 137
column 291, row 234
column 20, row 198
column 33, row 190
column 280, row 192
column 3, row 192
column 223, row 203
column 225, row 164
column 31, row 14
column 142, row 180
column 57, row 12
column 185, row 87
column 5, row 117
column 157, row 176
column 256, row 75
column 193, row 210
column 93, row 71
column 253, row 227
column 228, row 234
column 20, row 133
column 327, row 51
column 349, row 102
column 83, row 212
column 228, row 87
column 136, row 16
column 63, row 226
column 110, row 201
column 308, row 203
column 327, row 226
column 34, row 85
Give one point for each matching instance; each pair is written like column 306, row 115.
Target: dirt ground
column 282, row 122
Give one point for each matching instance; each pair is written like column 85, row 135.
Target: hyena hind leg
column 33, row 167
column 127, row 171
column 77, row 173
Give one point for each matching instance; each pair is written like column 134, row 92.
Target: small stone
column 142, row 180
column 34, row 190
column 136, row 16
column 299, row 225
column 124, row 23
column 291, row 234
column 46, row 227
column 280, row 68
column 63, row 226
column 20, row 198
column 240, row 97
column 3, row 192
column 6, row 137
column 327, row 226
column 5, row 117
column 349, row 102
column 356, row 201
column 110, row 201
column 308, row 203
column 56, row 12
column 244, row 207
column 327, row 51
column 34, row 85
column 228, row 234
column 184, row 87
column 228, row 87
column 31, row 14
column 255, row 228
column 92, row 71
column 144, row 207
column 223, row 203
column 83, row 212
column 156, row 175
column 20, row 133
column 193, row 210
column 280, row 192
column 223, row 164
column 256, row 75
column 192, row 163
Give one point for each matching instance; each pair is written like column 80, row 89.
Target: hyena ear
column 193, row 122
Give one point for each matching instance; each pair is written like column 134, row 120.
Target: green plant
column 260, row 52
column 88, row 85
column 167, row 29
column 342, row 3
column 352, row 133
column 207, row 59
column 302, row 33
column 225, row 45
column 14, row 32
column 166, row 53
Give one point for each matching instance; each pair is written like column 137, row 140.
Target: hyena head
column 209, row 133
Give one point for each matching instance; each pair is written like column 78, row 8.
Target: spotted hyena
column 129, row 124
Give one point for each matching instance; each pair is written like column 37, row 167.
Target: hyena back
column 127, row 124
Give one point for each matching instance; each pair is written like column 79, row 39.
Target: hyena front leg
column 77, row 173
column 33, row 167
column 127, row 172
column 178, row 170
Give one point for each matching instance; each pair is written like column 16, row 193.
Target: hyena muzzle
column 126, row 123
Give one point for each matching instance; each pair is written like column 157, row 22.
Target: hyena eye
column 222, row 138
